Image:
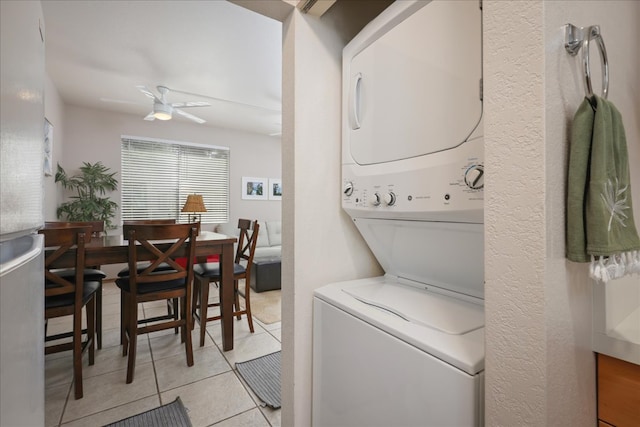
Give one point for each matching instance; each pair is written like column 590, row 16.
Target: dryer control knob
column 348, row 188
column 375, row 199
column 474, row 177
column 390, row 198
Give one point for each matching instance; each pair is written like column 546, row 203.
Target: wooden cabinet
column 618, row 392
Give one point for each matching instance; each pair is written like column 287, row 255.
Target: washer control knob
column 390, row 198
column 474, row 177
column 348, row 188
column 375, row 199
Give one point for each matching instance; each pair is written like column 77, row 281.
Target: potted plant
column 90, row 185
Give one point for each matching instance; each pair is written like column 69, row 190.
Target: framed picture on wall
column 48, row 147
column 275, row 189
column 255, row 188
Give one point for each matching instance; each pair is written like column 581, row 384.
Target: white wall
column 540, row 366
column 94, row 135
column 320, row 244
column 54, row 112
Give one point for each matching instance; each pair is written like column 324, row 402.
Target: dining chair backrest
column 247, row 241
column 154, row 222
column 146, row 239
column 65, row 239
column 97, row 226
column 211, row 272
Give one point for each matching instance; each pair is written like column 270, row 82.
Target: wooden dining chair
column 67, row 295
column 172, row 305
column 91, row 273
column 151, row 284
column 206, row 273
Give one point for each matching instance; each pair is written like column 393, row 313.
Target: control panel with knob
column 348, row 188
column 445, row 186
column 474, row 177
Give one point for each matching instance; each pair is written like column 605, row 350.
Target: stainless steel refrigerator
column 21, row 214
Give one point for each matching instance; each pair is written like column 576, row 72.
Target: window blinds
column 158, row 175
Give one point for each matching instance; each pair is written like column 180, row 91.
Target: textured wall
column 570, row 361
column 540, row 364
column 514, row 213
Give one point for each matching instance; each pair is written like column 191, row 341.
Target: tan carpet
column 265, row 306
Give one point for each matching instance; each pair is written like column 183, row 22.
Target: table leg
column 226, row 297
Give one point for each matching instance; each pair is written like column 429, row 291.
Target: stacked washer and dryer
column 407, row 348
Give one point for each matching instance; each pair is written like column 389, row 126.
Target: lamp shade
column 194, row 203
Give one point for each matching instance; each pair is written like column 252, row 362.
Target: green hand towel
column 600, row 224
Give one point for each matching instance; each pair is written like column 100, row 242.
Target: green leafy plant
column 91, row 185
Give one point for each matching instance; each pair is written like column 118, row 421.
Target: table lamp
column 194, row 204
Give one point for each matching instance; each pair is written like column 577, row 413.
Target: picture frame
column 275, row 189
column 255, row 188
column 48, row 148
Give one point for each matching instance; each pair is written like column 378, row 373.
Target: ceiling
column 97, row 52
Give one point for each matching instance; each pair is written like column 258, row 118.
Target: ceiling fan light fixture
column 162, row 111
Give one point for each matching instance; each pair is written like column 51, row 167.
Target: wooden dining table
column 114, row 249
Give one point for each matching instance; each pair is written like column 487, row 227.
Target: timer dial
column 474, row 177
column 348, row 188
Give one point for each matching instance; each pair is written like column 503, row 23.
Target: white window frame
column 158, row 174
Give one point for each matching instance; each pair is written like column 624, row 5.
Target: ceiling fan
column 163, row 110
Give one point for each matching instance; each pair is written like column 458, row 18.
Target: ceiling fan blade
column 147, row 92
column 273, row 110
column 189, row 116
column 120, row 101
column 190, row 104
column 150, row 117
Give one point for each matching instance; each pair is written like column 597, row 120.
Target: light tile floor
column 211, row 390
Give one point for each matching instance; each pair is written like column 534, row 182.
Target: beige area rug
column 266, row 306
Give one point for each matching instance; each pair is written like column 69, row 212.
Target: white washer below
column 389, row 354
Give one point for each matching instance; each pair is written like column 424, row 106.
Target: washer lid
column 442, row 254
column 431, row 314
column 440, row 312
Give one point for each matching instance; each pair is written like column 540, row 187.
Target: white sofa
column 269, row 237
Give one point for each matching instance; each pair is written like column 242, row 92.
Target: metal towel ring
column 579, row 37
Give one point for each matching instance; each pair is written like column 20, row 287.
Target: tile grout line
column 66, row 401
column 153, row 361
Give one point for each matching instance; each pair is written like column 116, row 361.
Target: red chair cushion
column 210, row 258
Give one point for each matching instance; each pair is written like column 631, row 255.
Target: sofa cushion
column 263, row 236
column 270, row 252
column 274, row 229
